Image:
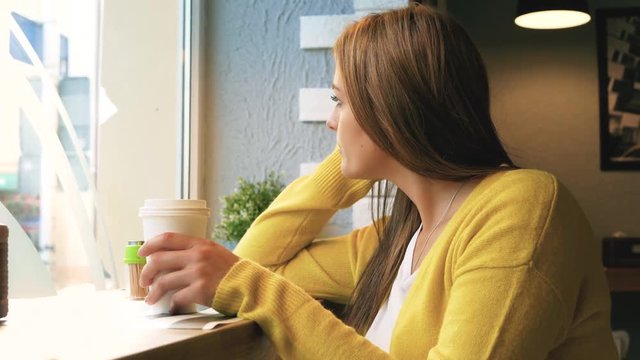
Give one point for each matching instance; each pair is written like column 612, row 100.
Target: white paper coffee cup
column 187, row 217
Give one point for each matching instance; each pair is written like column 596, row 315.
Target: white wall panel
column 321, row 32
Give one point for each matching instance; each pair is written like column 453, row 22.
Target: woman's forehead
column 337, row 81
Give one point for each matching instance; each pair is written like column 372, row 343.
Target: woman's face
column 361, row 157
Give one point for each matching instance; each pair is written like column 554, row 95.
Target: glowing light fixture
column 552, row 14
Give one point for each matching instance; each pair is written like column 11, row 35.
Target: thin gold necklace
column 446, row 210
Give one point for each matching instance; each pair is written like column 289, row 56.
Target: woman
column 478, row 259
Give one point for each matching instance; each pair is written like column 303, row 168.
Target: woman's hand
column 191, row 266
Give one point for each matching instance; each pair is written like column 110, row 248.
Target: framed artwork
column 618, row 43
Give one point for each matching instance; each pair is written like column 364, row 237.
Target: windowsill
column 98, row 325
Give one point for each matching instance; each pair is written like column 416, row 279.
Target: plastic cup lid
column 173, row 212
column 177, row 207
column 175, row 204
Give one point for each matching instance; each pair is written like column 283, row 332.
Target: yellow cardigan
column 515, row 274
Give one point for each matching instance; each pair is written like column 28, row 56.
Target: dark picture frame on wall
column 618, row 43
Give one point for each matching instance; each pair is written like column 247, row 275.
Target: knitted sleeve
column 284, row 237
column 296, row 324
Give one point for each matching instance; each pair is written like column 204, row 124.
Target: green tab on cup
column 131, row 253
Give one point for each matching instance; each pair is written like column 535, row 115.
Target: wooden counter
column 106, row 325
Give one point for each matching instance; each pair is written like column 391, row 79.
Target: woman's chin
column 351, row 173
column 346, row 171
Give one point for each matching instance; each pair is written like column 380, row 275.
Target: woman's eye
column 335, row 99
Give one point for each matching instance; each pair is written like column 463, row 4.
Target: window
column 92, row 122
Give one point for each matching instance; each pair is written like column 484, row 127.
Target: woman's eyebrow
column 334, row 87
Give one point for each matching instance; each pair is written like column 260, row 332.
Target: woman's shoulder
column 533, row 178
column 508, row 217
column 520, row 200
column 518, row 187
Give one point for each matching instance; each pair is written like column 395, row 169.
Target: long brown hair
column 418, row 87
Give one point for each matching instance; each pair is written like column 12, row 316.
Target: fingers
column 166, row 241
column 197, row 292
column 162, row 262
column 193, row 272
column 165, row 283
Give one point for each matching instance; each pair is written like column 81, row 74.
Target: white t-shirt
column 380, row 331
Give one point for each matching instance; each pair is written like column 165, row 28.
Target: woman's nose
column 332, row 121
column 332, row 124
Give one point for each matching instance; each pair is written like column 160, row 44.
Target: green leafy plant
column 242, row 207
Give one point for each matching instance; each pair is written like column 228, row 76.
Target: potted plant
column 242, row 207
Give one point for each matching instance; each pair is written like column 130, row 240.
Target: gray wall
column 256, row 69
column 544, row 87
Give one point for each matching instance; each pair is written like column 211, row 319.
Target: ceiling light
column 551, row 14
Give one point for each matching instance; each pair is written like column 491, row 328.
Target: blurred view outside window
column 48, row 133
